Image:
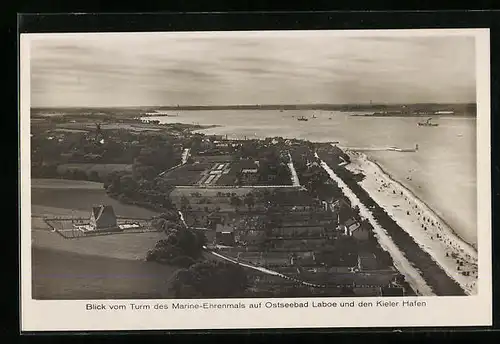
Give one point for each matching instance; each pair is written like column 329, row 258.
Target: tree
column 94, row 176
column 183, row 261
column 184, row 203
column 249, row 200
column 210, row 279
column 128, row 185
column 236, row 202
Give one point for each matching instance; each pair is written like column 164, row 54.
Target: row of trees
column 153, row 194
column 182, row 246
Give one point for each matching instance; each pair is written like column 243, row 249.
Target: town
column 241, row 218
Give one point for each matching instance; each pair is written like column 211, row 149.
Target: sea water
column 442, row 173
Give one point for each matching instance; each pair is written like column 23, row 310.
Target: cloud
column 120, row 70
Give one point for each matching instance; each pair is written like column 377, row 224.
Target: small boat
column 427, row 123
column 302, row 118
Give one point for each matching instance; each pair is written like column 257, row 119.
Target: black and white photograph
column 291, row 166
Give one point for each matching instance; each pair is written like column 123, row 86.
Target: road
column 253, row 267
column 184, row 159
column 295, row 177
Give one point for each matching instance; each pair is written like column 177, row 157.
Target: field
column 186, row 175
column 209, row 171
column 130, row 246
column 59, row 275
column 102, row 170
column 99, row 267
column 65, row 184
column 58, row 197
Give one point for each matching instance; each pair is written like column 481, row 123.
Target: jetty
column 391, row 148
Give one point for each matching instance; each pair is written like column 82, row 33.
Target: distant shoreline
column 457, row 107
column 416, row 115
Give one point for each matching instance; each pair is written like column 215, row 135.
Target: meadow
column 72, row 196
column 59, row 275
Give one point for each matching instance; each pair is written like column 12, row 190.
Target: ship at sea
column 427, row 123
column 302, row 118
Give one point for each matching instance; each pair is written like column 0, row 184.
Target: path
column 184, row 159
column 257, row 268
column 295, row 177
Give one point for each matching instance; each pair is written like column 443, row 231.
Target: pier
column 387, row 149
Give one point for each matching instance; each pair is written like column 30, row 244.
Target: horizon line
column 244, row 105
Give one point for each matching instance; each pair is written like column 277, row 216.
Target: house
column 249, row 175
column 221, row 227
column 350, row 226
column 224, row 238
column 295, row 201
column 367, row 261
column 297, row 243
column 360, row 232
column 367, row 291
column 254, row 237
column 303, row 258
column 103, row 218
column 224, row 234
column 265, row 259
column 393, row 291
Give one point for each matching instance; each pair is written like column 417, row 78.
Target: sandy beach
column 457, row 258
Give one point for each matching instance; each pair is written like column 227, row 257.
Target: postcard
column 256, row 179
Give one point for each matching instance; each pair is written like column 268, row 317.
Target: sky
column 249, row 68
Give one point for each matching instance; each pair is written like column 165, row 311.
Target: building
column 393, row 291
column 224, row 235
column 249, row 176
column 103, row 218
column 224, row 238
column 353, row 228
column 360, row 232
column 367, row 261
column 254, row 237
column 292, row 201
column 307, row 258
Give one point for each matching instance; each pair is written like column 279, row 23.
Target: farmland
column 72, row 196
column 64, row 275
column 130, row 246
column 64, row 184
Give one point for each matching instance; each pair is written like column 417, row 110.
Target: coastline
column 432, row 234
column 414, row 194
column 411, row 273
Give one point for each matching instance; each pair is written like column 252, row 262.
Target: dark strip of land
column 457, row 107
